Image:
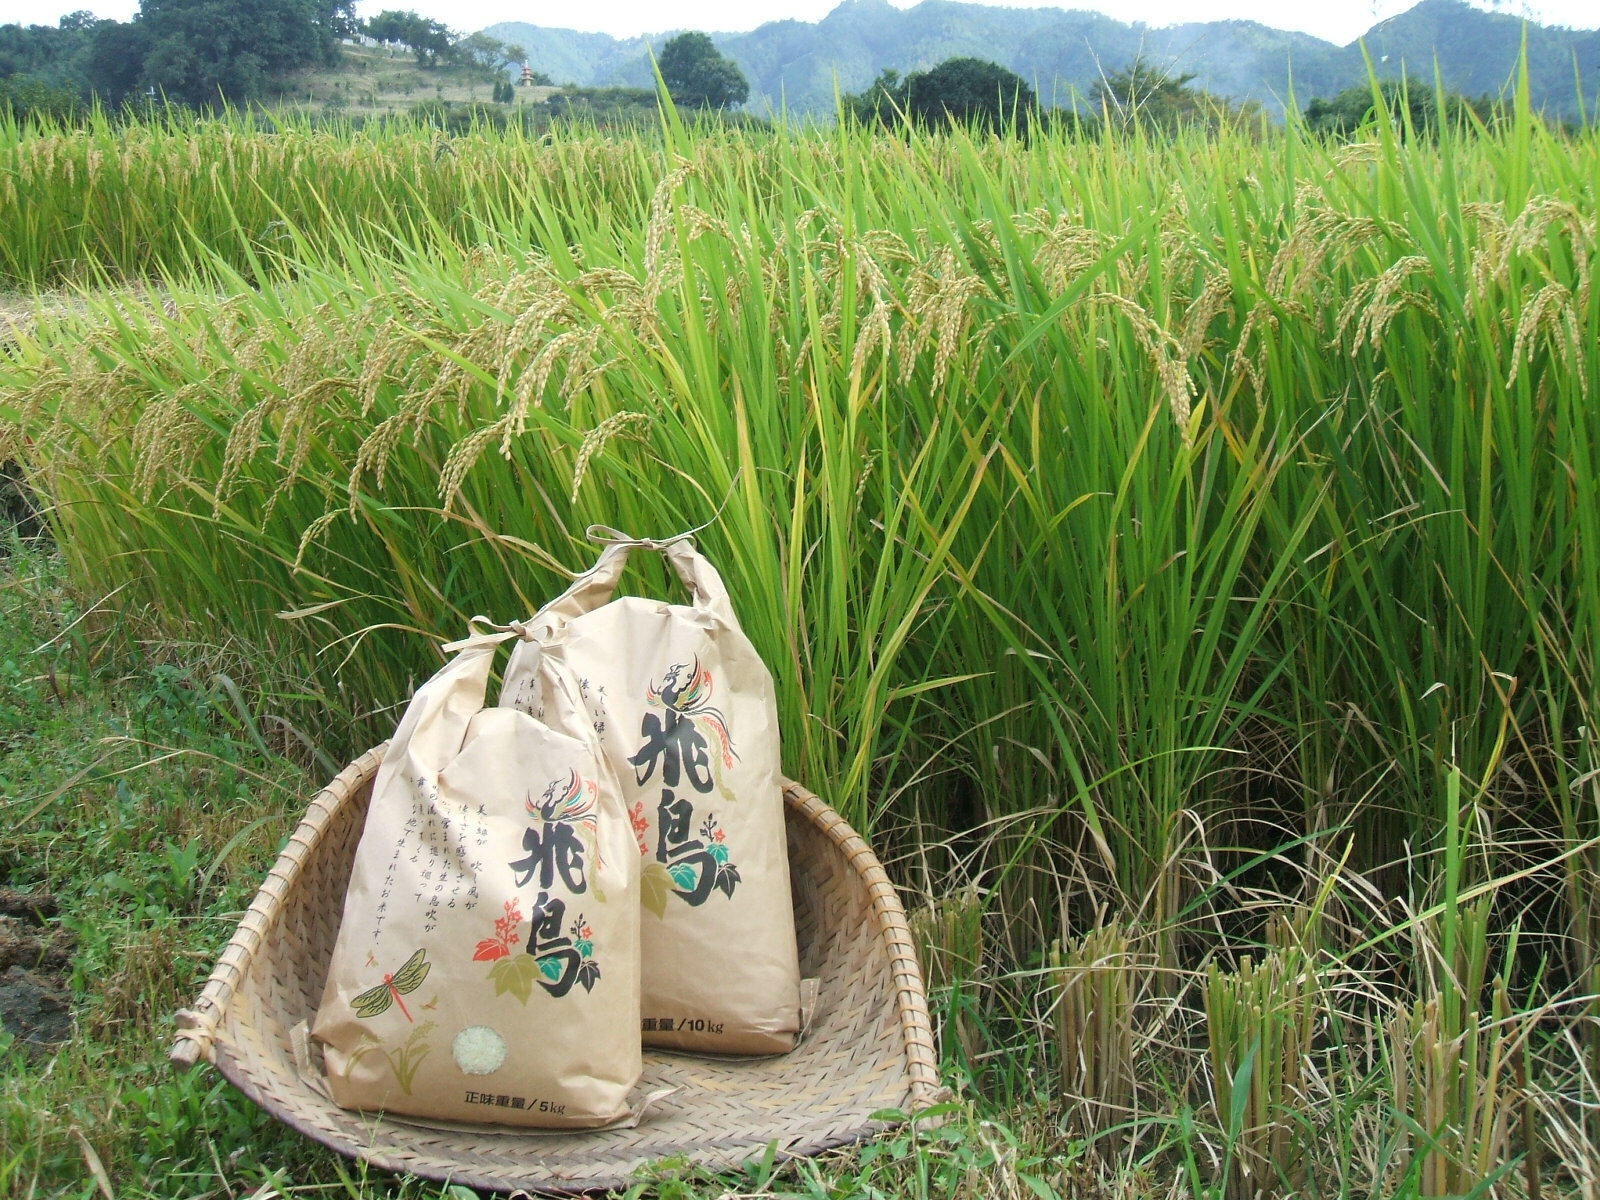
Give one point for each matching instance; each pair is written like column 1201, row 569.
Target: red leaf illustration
column 490, row 949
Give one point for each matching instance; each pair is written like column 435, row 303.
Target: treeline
column 192, row 52
column 977, row 94
column 195, row 52
column 202, row 54
column 205, row 54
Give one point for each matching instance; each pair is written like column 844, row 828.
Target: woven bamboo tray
column 869, row 1047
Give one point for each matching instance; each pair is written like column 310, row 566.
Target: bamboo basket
column 869, row 1046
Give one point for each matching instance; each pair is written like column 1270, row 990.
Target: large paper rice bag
column 685, row 711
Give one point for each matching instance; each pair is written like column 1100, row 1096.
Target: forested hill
column 796, row 63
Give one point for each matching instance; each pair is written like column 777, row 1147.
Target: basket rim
column 200, row 1025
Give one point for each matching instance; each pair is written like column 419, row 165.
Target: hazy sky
column 1338, row 21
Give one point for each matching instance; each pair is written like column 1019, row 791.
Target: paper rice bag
column 487, row 965
column 685, row 711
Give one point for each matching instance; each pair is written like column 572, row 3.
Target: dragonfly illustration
column 375, row 1001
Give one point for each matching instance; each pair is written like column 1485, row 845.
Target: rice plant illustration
column 407, row 1060
column 404, row 1062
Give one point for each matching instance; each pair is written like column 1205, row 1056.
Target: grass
column 1188, row 537
column 131, row 796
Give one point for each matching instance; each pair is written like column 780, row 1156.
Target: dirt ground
column 16, row 314
column 19, row 310
column 35, row 960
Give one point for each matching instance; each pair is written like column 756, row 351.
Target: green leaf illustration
column 683, row 874
column 515, row 975
column 655, row 885
column 550, row 967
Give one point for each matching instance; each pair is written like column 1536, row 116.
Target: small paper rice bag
column 487, row 965
column 685, row 711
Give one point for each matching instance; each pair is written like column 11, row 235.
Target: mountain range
column 798, row 65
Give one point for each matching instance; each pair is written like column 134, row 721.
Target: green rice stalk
column 1452, row 1087
column 948, row 933
column 1259, row 1024
column 1095, row 984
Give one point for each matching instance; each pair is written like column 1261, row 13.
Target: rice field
column 1181, row 557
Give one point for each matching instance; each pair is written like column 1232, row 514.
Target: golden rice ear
column 634, row 426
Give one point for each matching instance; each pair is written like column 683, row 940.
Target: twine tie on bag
column 500, row 633
column 605, row 535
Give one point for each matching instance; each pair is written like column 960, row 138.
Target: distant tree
column 114, row 61
column 1354, row 107
column 343, row 22
column 959, row 91
column 428, row 40
column 481, row 50
column 193, row 51
column 461, row 117
column 1148, row 96
column 1143, row 94
column 54, row 57
column 970, row 91
column 24, row 98
column 203, row 51
column 882, row 103
column 697, row 74
column 611, row 108
column 389, row 27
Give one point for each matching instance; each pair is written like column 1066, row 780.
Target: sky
column 1338, row 21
